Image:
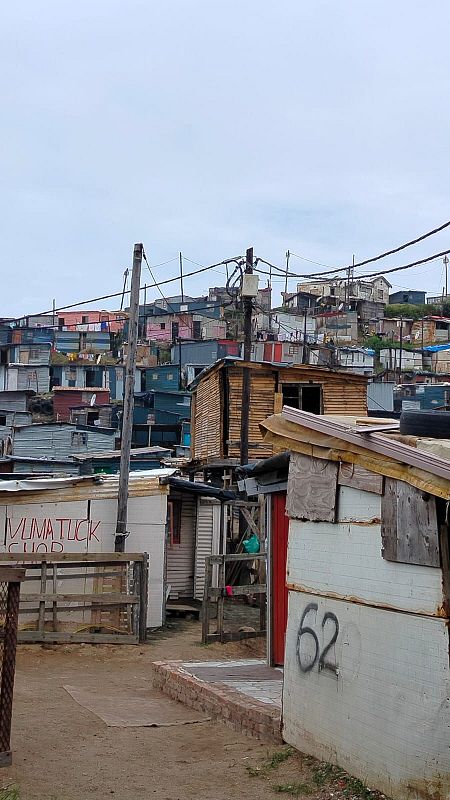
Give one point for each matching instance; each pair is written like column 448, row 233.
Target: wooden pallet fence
column 217, row 595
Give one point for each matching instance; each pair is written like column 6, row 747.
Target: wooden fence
column 82, row 597
column 219, row 594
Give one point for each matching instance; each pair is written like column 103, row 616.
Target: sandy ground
column 63, row 752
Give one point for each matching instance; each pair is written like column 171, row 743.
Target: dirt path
column 63, row 752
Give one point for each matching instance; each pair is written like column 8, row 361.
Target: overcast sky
column 206, row 127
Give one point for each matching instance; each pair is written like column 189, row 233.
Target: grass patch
column 279, row 757
column 293, row 789
column 272, row 762
column 9, row 793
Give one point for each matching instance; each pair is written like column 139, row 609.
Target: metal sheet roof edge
column 375, row 442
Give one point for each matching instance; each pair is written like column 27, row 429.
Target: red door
column 279, row 541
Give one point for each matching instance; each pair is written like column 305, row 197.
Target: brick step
column 235, row 709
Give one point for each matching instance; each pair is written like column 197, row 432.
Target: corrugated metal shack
column 85, row 376
column 204, row 352
column 217, row 402
column 25, row 377
column 15, row 400
column 66, row 398
column 367, row 666
column 60, row 440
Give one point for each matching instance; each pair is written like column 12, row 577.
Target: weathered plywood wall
column 207, row 419
column 262, row 397
column 367, row 688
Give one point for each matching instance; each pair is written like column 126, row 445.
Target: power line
column 380, row 255
column 364, row 275
column 119, row 294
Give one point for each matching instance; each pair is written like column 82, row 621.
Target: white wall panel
column 383, row 712
column 345, row 559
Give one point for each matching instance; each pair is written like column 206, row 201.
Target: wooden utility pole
column 128, row 402
column 245, row 408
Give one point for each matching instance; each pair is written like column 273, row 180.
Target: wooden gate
column 82, row 597
column 218, row 595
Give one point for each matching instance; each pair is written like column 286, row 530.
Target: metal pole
column 288, row 255
column 304, row 352
column 128, row 403
column 401, row 353
column 245, row 369
column 181, row 278
column 54, row 313
column 446, row 276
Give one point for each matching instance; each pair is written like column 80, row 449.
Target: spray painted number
column 308, row 661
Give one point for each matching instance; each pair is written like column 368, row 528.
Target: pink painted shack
column 108, row 321
column 170, row 327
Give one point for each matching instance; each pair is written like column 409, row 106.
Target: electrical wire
column 380, row 273
column 380, row 255
column 119, row 294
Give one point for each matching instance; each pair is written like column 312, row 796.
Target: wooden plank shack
column 217, row 403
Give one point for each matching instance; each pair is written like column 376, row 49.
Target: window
column 2, row 419
column 305, row 396
column 174, row 522
column 380, row 294
column 196, row 329
column 79, row 439
column 163, row 326
column 84, row 320
column 175, row 330
column 61, row 322
column 170, row 376
column 34, row 355
column 155, row 376
column 332, row 291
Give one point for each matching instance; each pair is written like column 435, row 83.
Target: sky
column 203, row 127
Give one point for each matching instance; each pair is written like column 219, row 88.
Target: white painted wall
column 383, row 711
column 345, row 559
column 70, row 527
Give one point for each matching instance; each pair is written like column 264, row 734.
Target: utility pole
column 245, row 408
column 304, row 351
column 288, row 255
column 181, row 278
column 401, row 352
column 54, row 313
column 128, row 402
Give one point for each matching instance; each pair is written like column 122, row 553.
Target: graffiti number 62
column 307, row 663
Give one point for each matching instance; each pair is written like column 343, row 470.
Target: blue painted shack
column 164, row 377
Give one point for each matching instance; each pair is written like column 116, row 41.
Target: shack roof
column 114, row 455
column 422, row 462
column 312, row 369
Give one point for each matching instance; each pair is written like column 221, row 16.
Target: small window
column 175, row 330
column 34, row 354
column 196, row 329
column 170, row 376
column 174, row 522
column 155, row 376
column 2, row 419
column 84, row 320
column 163, row 326
column 380, row 294
column 79, row 439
